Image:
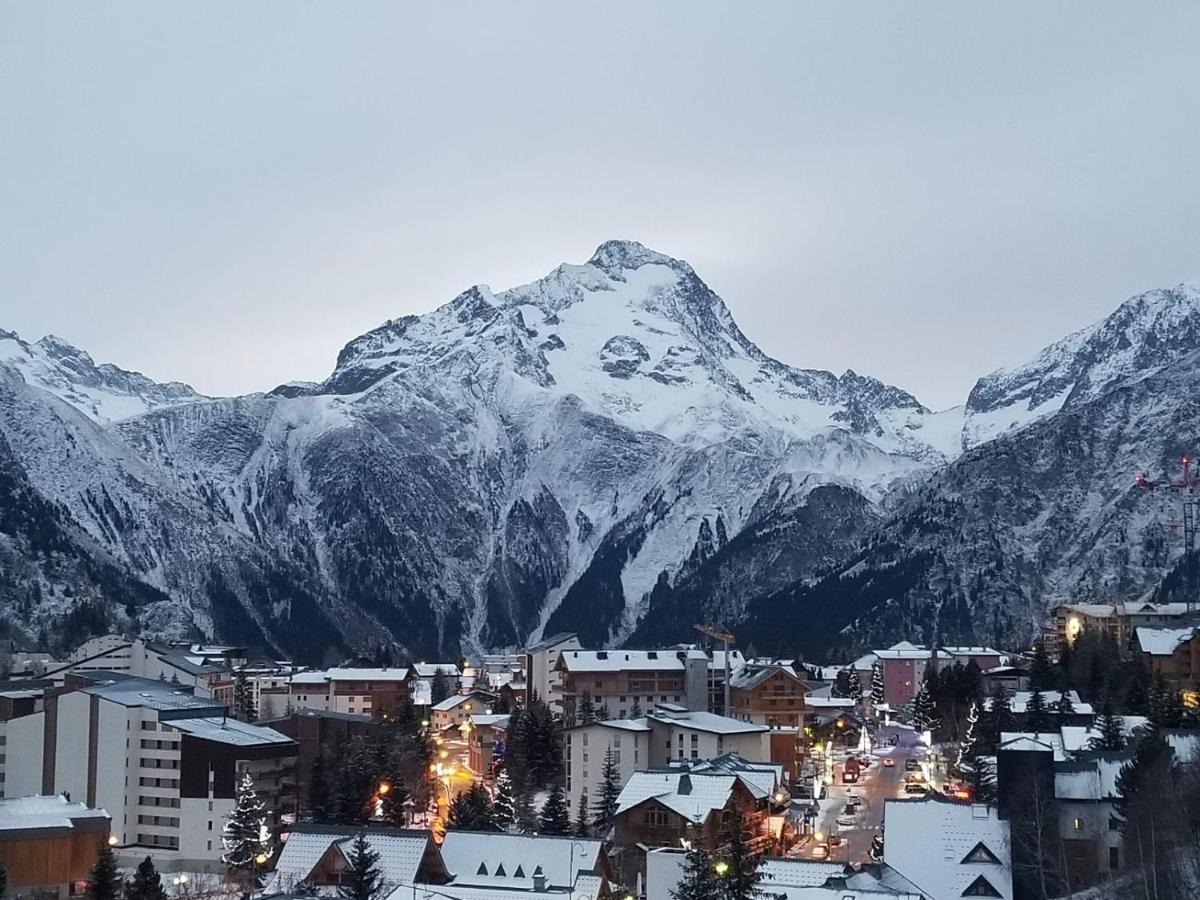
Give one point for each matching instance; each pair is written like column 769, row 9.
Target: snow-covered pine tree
column 854, row 687
column 586, row 714
column 1111, row 728
column 1037, row 717
column 610, row 790
column 504, row 807
column 877, row 691
column 245, row 834
column 583, row 826
column 697, row 880
column 924, row 710
column 243, row 697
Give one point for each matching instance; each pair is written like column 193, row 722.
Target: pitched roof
column 627, row 660
column 928, row 839
column 692, row 795
column 549, row 642
column 46, row 813
column 1163, row 641
column 225, row 730
column 477, row 858
column 705, row 721
column 400, row 851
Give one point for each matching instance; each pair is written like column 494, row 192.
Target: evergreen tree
column 439, row 687
column 1037, row 718
column 610, row 790
column 319, row 799
column 925, row 716
column 582, row 825
column 243, row 697
column 740, row 881
column 982, row 780
column 244, row 835
column 635, row 711
column 1111, row 728
column 697, row 880
column 146, row 883
column 554, row 818
column 1041, row 673
column 364, row 876
column 472, row 811
column 504, row 808
column 1140, row 776
column 877, row 689
column 603, row 713
column 968, row 746
column 3, row 881
column 854, row 687
column 586, row 714
column 999, row 717
column 1166, row 710
column 104, row 883
column 394, row 802
column 1064, row 705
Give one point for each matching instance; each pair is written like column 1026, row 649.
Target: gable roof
column 477, row 858
column 692, row 795
column 401, row 851
column 927, row 841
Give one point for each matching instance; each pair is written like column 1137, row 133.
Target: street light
column 721, row 868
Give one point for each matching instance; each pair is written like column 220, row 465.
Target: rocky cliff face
column 601, row 450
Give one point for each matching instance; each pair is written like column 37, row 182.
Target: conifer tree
column 1064, row 705
column 3, row 881
column 1041, row 673
column 586, row 714
column 877, row 687
column 610, row 790
column 243, row 697
column 104, row 883
column 146, row 883
column 439, row 687
column 1112, row 730
column 925, row 716
column 697, row 879
column 364, row 876
column 999, row 717
column 1166, row 710
column 472, row 810
column 854, row 687
column 244, row 835
column 1037, row 718
column 504, row 808
column 635, row 711
column 393, row 803
column 582, row 825
column 740, row 881
column 554, row 818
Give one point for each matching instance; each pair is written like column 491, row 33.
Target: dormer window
column 520, row 873
column 482, row 870
column 500, row 873
column 981, row 854
column 980, row 887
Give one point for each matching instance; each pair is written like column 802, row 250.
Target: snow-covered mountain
column 601, row 450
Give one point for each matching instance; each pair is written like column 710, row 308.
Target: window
column 1077, row 824
column 980, row 887
column 656, row 818
column 981, row 854
column 1114, row 858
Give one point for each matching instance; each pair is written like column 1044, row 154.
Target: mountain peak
column 612, row 257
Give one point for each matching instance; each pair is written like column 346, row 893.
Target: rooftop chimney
column 539, row 883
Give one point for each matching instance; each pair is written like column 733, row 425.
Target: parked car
column 820, row 851
column 915, row 788
column 912, row 765
column 889, row 763
column 845, row 821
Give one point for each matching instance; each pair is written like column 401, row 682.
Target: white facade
column 541, row 662
column 584, row 749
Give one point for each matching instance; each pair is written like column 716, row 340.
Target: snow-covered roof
column 828, row 702
column 699, row 720
column 325, row 676
column 934, row 844
column 1019, row 702
column 131, row 691
column 761, row 778
column 495, row 720
column 1163, row 641
column 777, row 873
column 429, row 670
column 226, row 730
column 627, row 660
column 488, row 859
column 1185, row 745
column 692, row 795
column 400, row 852
column 972, row 651
column 1091, row 779
column 1048, row 742
column 454, row 701
column 41, row 812
column 755, row 672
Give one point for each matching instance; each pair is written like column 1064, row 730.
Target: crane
column 1189, row 498
column 722, row 634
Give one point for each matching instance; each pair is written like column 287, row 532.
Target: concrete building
column 1173, row 653
column 313, row 729
column 162, row 761
column 18, row 699
column 540, row 663
column 622, row 682
column 1120, row 620
column 48, row 845
column 366, row 691
column 669, row 734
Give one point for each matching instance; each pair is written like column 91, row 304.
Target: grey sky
column 226, row 194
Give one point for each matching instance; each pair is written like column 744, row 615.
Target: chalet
column 48, row 844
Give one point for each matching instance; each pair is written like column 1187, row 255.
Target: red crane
column 1187, row 487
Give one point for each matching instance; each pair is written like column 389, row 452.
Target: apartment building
column 365, row 691
column 1173, row 653
column 624, row 683
column 18, row 699
column 1120, row 620
column 459, row 708
column 540, row 663
column 769, row 692
column 163, row 762
column 312, row 730
column 669, row 734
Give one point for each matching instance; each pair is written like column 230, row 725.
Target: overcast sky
column 226, row 194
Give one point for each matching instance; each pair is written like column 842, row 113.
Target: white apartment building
column 163, row 762
column 541, row 664
column 669, row 734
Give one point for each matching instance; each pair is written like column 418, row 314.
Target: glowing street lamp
column 721, row 868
